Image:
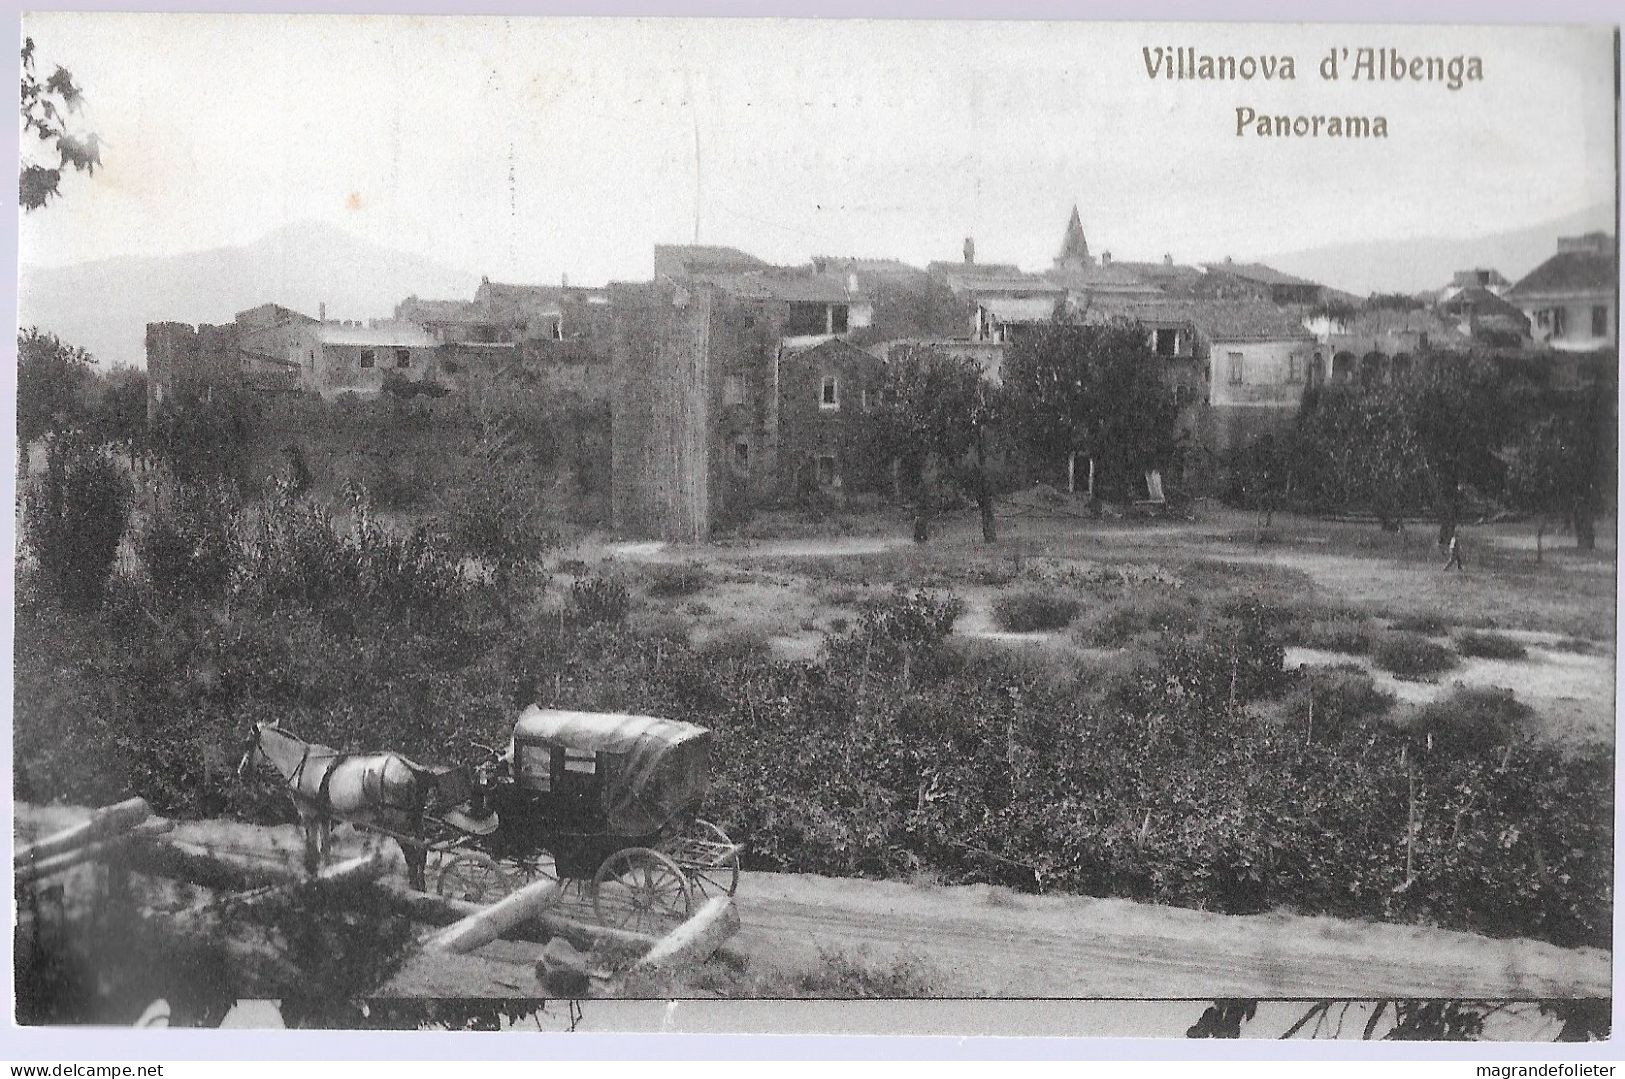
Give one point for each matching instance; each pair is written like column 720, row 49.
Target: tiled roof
column 702, row 258
column 1483, row 302
column 442, row 310
column 1257, row 271
column 785, row 285
column 969, row 270
column 1220, row 320
column 1570, row 271
column 868, row 266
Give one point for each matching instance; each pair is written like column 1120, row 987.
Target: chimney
column 321, row 312
column 1105, row 258
column 970, row 251
column 1167, row 260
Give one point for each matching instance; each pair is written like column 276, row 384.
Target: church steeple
column 1074, row 247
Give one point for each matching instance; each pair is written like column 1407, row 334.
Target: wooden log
column 101, row 848
column 106, row 821
column 489, row 923
column 543, row 927
column 208, row 869
column 223, row 871
column 697, row 939
column 346, row 874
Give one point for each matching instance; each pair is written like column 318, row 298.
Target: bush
column 1469, row 718
column 1331, row 702
column 1484, row 645
column 737, row 645
column 296, row 557
column 1411, row 655
column 1033, row 611
column 189, row 544
column 75, row 515
column 598, row 600
column 1349, row 636
column 896, row 632
column 1232, row 659
column 1116, row 623
column 674, row 581
column 1430, row 625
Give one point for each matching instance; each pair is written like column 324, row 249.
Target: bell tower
column 1074, row 247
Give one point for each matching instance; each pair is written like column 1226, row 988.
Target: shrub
column 1470, row 717
column 1484, row 645
column 1346, row 635
column 895, row 632
column 598, row 600
column 1330, row 702
column 189, row 544
column 1411, row 655
column 75, row 514
column 738, row 644
column 1033, row 610
column 1230, row 660
column 296, row 556
column 674, row 581
column 1431, row 625
column 1116, row 623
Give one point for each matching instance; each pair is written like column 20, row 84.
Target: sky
column 528, row 149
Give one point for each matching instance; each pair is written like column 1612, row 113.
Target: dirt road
column 978, row 941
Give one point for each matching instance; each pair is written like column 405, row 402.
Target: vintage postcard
column 796, row 526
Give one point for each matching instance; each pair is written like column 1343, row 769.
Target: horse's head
column 254, row 754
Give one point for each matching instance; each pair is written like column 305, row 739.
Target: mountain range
column 104, row 306
column 1427, row 263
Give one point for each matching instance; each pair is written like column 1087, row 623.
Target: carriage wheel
column 642, row 890
column 473, row 877
column 709, row 857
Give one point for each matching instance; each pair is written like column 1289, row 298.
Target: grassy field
column 1344, row 586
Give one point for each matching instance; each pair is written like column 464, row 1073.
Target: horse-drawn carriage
column 606, row 803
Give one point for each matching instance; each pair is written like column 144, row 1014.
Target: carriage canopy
column 648, row 772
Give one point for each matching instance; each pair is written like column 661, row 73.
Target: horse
column 385, row 790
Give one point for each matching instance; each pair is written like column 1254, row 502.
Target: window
column 580, row 762
column 733, row 390
column 868, row 399
column 1165, row 342
column 1599, row 322
column 1236, row 370
column 403, row 357
column 829, row 394
column 742, row 457
column 1294, row 368
column 533, row 767
column 1559, row 321
column 366, row 357
column 837, row 318
column 826, row 471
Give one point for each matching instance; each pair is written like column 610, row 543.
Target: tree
column 1094, row 391
column 1559, row 469
column 45, row 108
column 120, row 415
column 52, row 378
column 934, row 409
column 203, row 431
column 74, row 516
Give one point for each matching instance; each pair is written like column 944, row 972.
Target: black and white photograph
column 816, row 526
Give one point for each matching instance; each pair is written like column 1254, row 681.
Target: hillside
column 104, row 306
column 1420, row 263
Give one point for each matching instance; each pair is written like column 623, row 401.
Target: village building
column 1378, row 345
column 1231, row 278
column 349, row 356
column 1487, row 280
column 732, row 388
column 1571, row 299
